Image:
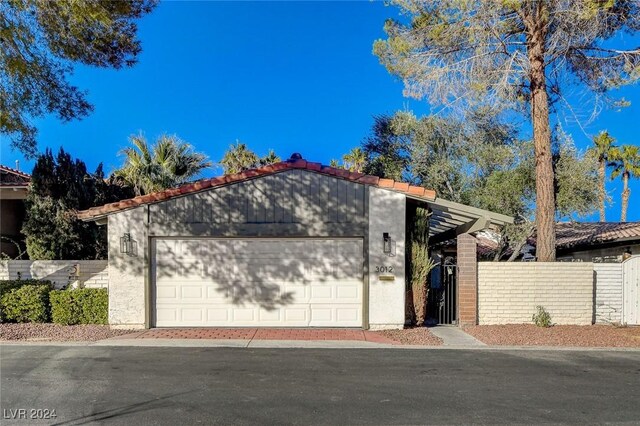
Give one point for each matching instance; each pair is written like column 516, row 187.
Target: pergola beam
column 472, row 226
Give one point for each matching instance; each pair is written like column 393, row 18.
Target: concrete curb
column 301, row 344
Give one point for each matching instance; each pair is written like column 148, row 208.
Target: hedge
column 7, row 285
column 28, row 303
column 80, row 306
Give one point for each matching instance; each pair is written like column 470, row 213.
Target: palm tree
column 169, row 162
column 625, row 163
column 603, row 145
column 270, row 158
column 238, row 158
column 355, row 160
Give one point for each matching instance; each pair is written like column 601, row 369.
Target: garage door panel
column 288, row 283
column 166, row 314
column 321, row 292
column 273, row 316
column 328, row 316
column 220, row 315
column 347, row 294
column 191, row 315
column 299, row 315
column 167, row 292
column 217, row 294
column 243, row 315
column 348, row 314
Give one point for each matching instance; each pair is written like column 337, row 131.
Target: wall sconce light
column 386, row 243
column 127, row 245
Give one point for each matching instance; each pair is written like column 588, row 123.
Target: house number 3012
column 384, row 269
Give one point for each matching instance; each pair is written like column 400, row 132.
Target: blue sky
column 291, row 76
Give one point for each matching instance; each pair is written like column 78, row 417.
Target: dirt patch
column 413, row 336
column 58, row 333
column 558, row 335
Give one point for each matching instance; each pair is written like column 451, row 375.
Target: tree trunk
column 602, row 190
column 536, row 23
column 626, row 192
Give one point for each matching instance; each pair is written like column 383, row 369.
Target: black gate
column 442, row 304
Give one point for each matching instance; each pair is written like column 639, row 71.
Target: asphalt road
column 175, row 386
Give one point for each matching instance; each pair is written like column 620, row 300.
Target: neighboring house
column 14, row 185
column 597, row 241
column 579, row 242
column 293, row 244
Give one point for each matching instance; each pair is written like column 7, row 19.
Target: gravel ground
column 413, row 336
column 56, row 332
column 557, row 335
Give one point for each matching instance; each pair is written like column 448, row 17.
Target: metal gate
column 443, row 294
column 631, row 291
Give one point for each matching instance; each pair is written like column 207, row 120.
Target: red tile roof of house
column 574, row 234
column 571, row 234
column 13, row 177
column 411, row 190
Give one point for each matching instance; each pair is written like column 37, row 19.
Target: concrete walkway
column 452, row 335
column 254, row 335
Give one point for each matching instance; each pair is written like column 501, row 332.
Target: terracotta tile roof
column 13, row 177
column 571, row 234
column 575, row 234
column 414, row 191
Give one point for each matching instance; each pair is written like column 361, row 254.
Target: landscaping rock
column 413, row 336
column 56, row 332
column 557, row 335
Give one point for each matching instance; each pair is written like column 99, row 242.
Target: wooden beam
column 472, row 226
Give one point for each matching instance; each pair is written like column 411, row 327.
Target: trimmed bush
column 28, row 303
column 80, row 306
column 7, row 285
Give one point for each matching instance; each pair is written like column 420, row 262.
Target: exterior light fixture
column 386, row 243
column 127, row 245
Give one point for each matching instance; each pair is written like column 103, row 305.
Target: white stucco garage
column 293, row 244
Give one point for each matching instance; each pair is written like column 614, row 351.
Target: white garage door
column 258, row 282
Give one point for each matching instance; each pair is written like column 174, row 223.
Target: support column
column 467, row 280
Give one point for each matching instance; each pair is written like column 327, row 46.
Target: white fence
column 83, row 273
column 608, row 301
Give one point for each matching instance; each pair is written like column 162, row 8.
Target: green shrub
column 7, row 285
column 28, row 303
column 541, row 318
column 63, row 309
column 80, row 306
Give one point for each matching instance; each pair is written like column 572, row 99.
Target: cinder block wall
column 608, row 292
column 91, row 273
column 508, row 293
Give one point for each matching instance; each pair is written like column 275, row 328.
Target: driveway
column 134, row 385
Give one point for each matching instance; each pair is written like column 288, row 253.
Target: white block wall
column 608, row 292
column 92, row 273
column 508, row 292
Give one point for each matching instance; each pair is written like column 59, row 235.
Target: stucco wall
column 508, row 293
column 608, row 292
column 128, row 274
column 83, row 273
column 387, row 213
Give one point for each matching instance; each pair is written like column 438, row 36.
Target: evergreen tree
column 518, row 55
column 60, row 186
column 40, row 42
